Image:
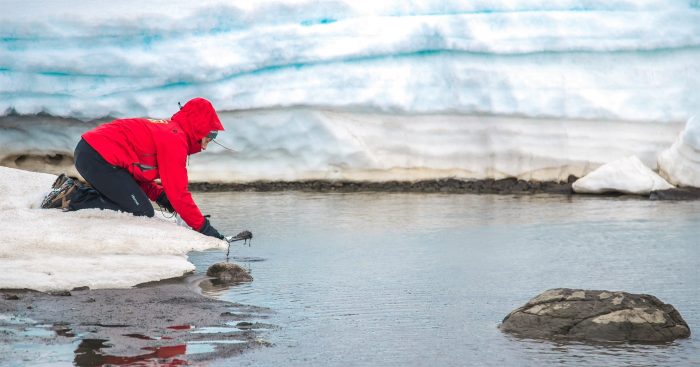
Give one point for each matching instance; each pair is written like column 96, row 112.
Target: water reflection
column 89, row 353
column 416, row 279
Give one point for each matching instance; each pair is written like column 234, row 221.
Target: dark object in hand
column 208, row 230
column 245, row 235
column 165, row 203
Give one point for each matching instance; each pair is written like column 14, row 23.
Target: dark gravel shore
column 488, row 186
column 160, row 321
column 506, row 186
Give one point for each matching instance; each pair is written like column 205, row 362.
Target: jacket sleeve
column 152, row 189
column 172, row 160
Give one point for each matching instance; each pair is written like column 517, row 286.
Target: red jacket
column 151, row 149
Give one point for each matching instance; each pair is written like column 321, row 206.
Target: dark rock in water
column 684, row 193
column 579, row 314
column 11, row 297
column 229, row 273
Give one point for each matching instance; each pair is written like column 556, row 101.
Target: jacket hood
column 197, row 118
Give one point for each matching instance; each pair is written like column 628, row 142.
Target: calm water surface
column 424, row 280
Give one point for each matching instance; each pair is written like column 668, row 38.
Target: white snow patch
column 680, row 164
column 47, row 249
column 627, row 175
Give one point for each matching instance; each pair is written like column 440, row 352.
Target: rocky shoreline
column 448, row 185
column 506, row 186
column 166, row 320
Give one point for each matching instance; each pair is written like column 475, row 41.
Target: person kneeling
column 121, row 160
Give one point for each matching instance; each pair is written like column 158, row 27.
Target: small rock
column 579, row 314
column 60, row 293
column 229, row 273
column 244, row 325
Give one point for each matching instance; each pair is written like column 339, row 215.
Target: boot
column 60, row 197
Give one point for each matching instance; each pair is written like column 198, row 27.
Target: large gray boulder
column 579, row 314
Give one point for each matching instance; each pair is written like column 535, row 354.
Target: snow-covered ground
column 368, row 90
column 47, row 249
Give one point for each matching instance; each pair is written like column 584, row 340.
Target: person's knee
column 139, row 205
column 145, row 210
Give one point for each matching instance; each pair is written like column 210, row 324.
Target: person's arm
column 172, row 160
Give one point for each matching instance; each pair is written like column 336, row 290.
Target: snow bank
column 369, row 90
column 304, row 143
column 299, row 144
column 628, row 176
column 680, row 164
column 50, row 250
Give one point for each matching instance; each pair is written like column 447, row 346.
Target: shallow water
column 418, row 279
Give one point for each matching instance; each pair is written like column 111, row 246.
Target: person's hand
column 165, row 203
column 208, row 230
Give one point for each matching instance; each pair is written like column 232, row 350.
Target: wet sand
column 165, row 321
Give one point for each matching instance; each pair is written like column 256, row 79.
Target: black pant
column 112, row 187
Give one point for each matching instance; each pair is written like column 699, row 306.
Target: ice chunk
column 680, row 164
column 46, row 249
column 627, row 175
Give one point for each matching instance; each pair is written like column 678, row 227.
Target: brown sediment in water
column 156, row 321
column 449, row 185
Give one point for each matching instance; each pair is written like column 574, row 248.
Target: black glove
column 208, row 230
column 164, row 202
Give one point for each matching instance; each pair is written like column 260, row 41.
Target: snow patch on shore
column 627, row 175
column 47, row 249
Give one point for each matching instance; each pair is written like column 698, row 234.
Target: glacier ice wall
column 431, row 66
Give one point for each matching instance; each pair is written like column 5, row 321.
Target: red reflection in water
column 181, row 327
column 88, row 354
